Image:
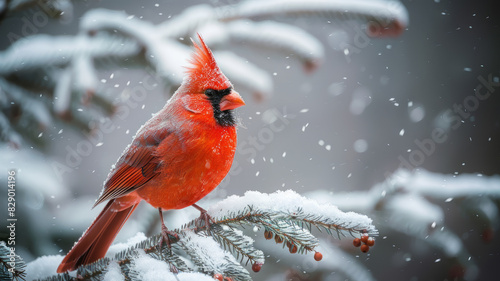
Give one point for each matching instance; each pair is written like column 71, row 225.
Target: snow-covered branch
column 284, row 214
column 61, row 72
column 415, row 203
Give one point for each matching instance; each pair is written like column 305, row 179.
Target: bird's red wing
column 137, row 166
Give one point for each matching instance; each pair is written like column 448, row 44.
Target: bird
column 176, row 158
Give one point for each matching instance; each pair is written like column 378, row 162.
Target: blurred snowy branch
column 285, row 215
column 414, row 204
column 50, row 78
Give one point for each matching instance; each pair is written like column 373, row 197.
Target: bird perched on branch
column 179, row 156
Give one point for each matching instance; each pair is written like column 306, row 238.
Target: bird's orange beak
column 231, row 101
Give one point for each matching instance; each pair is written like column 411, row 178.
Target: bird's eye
column 209, row 93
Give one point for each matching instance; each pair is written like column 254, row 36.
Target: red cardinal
column 179, row 156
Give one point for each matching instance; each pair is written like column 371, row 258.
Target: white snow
column 187, row 22
column 289, row 201
column 147, row 268
column 213, row 257
column 113, row 273
column 42, row 267
column 446, row 186
column 118, row 247
column 413, row 213
column 206, row 247
column 380, row 11
column 278, row 36
column 168, row 63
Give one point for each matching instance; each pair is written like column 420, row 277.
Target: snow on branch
column 385, row 18
column 289, row 204
column 215, row 251
column 284, row 37
column 61, row 72
column 415, row 203
column 441, row 186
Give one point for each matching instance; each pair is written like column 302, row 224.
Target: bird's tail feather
column 95, row 242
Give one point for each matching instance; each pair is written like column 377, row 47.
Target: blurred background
column 344, row 127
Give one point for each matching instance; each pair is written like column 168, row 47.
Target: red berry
column 293, row 249
column 370, row 242
column 356, row 242
column 218, row 277
column 365, row 248
column 256, row 267
column 364, row 238
column 278, row 239
column 268, row 234
column 318, row 256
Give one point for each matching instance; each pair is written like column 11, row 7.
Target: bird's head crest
column 204, row 73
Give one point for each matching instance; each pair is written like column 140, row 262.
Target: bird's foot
column 167, row 236
column 205, row 220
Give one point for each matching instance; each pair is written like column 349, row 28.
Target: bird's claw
column 168, row 237
column 204, row 221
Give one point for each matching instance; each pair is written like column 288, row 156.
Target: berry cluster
column 291, row 246
column 365, row 242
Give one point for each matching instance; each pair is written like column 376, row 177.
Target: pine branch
column 209, row 258
column 237, row 243
column 59, row 277
column 216, row 249
column 12, row 266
